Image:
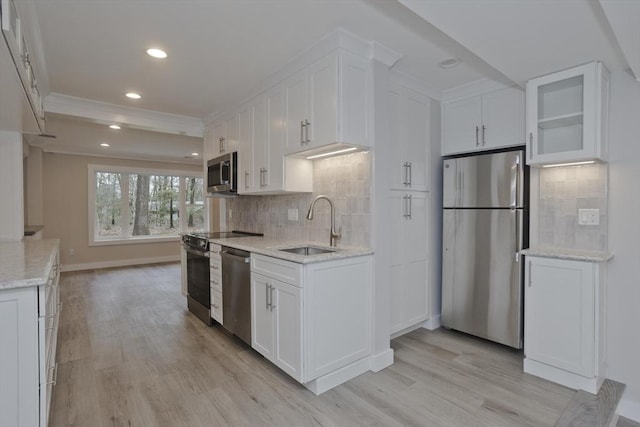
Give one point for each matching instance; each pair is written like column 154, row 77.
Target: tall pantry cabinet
column 409, row 199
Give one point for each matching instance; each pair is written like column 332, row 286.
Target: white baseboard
column 119, row 263
column 433, row 323
column 629, row 409
column 381, row 360
column 339, row 376
column 560, row 376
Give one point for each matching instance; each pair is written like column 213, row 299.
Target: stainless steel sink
column 307, row 250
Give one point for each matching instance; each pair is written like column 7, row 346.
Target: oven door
column 199, row 293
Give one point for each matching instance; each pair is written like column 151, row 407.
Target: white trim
column 148, row 171
column 560, row 376
column 405, row 330
column 381, row 360
column 432, row 323
column 476, row 88
column 339, row 376
column 49, row 147
column 415, row 84
column 629, row 409
column 384, row 54
column 137, row 240
column 137, row 118
column 119, row 263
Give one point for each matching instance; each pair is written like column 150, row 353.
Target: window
column 142, row 205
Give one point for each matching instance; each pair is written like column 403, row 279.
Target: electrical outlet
column 292, row 214
column 589, row 216
column 230, row 213
column 72, row 252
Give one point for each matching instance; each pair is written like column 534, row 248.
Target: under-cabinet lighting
column 331, row 153
column 132, row 95
column 104, row 144
column 157, row 53
column 116, row 127
column 195, row 154
column 589, row 162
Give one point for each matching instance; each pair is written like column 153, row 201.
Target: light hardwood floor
column 130, row 354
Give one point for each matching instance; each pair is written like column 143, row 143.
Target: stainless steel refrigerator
column 485, row 225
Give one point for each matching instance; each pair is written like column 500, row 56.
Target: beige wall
column 65, row 192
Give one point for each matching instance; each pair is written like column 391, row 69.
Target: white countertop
column 572, row 254
column 26, row 263
column 268, row 246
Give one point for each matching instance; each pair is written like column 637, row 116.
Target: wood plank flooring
column 130, row 354
column 585, row 409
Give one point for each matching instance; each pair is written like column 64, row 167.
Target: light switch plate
column 588, row 216
column 292, row 214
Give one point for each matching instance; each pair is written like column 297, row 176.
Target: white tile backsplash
column 346, row 180
column 564, row 190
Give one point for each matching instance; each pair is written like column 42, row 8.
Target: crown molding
column 137, row 118
column 475, row 88
column 384, row 54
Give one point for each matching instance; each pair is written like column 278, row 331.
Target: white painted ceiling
column 220, row 50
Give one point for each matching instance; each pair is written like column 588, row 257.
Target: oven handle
column 195, row 252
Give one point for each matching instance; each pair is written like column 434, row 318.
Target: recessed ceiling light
column 114, row 127
column 449, row 63
column 195, row 154
column 104, row 144
column 157, row 53
column 133, row 95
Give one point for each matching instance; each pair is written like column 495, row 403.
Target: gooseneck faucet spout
column 335, row 235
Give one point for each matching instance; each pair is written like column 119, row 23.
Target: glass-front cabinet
column 567, row 116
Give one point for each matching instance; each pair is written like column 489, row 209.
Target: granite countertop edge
column 570, row 254
column 270, row 247
column 26, row 263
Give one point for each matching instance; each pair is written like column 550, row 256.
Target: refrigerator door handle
column 516, row 216
column 515, row 183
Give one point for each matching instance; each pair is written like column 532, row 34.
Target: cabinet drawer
column 216, row 305
column 215, row 263
column 285, row 271
column 216, row 281
column 214, row 250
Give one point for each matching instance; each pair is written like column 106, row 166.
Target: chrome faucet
column 335, row 235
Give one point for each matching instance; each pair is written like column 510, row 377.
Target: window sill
column 135, row 240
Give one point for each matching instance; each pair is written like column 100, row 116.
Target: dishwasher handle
column 241, row 256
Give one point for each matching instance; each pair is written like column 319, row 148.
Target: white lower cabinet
column 564, row 329
column 29, row 319
column 409, row 261
column 312, row 320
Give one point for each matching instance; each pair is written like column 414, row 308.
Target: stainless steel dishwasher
column 236, row 292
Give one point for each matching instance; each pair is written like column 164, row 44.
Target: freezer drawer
column 484, row 181
column 481, row 273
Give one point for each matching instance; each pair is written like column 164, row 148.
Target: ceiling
column 220, row 50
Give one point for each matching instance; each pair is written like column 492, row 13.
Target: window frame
column 182, row 203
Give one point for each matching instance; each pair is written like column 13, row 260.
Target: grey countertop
column 26, row 263
column 571, row 254
column 268, row 246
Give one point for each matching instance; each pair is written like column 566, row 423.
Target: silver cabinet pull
column 410, row 173
column 55, row 375
column 306, row 131
column 221, row 143
column 271, row 297
column 530, row 145
column 409, row 197
column 265, row 177
column 266, row 296
column 484, row 141
column 246, row 180
column 530, row 274
column 477, row 140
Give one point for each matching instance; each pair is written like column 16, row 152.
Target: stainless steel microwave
column 222, row 174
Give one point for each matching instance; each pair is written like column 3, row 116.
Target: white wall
column 623, row 315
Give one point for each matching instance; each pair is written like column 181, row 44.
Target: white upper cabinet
column 224, row 138
column 15, row 58
column 409, row 129
column 263, row 168
column 493, row 120
column 567, row 115
column 328, row 102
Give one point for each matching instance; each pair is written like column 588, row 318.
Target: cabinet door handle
column 477, row 140
column 404, row 173
column 246, row 180
column 530, row 273
column 271, row 297
column 409, row 209
column 265, row 176
column 484, row 141
column 266, row 297
column 410, row 170
column 530, row 145
column 405, row 206
column 302, row 125
column 306, row 131
column 55, row 375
